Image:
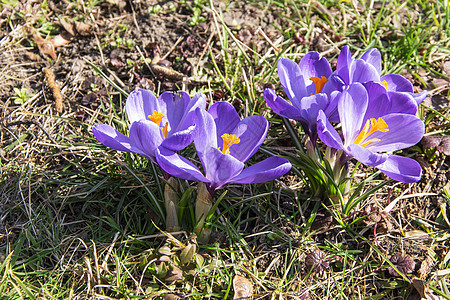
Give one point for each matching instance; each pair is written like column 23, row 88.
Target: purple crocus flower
column 166, row 122
column 369, row 133
column 399, row 85
column 349, row 70
column 224, row 142
column 302, row 84
column 367, row 69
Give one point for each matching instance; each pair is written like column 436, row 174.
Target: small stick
column 171, row 49
column 275, row 48
column 50, row 76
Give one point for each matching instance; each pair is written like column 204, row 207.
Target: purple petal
column 251, row 131
column 352, row 107
column 332, row 109
column 199, row 100
column 373, row 57
column 402, row 169
column 402, row 103
column 267, row 170
column 310, row 107
column 397, row 83
column 140, row 104
column 361, row 71
column 419, row 97
column 180, row 139
column 343, row 64
column 379, row 103
column 311, row 65
column 327, row 133
column 291, row 79
column 205, row 135
column 189, row 118
column 178, row 166
column 366, row 156
column 173, row 106
column 280, row 106
column 404, row 131
column 147, row 136
column 220, row 168
column 113, row 139
column 225, row 117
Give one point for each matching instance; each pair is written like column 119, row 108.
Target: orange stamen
column 228, row 141
column 164, row 129
column 384, row 82
column 370, row 127
column 319, row 82
column 156, row 117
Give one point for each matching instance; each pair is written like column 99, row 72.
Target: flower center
column 319, row 82
column 228, row 141
column 370, row 127
column 156, row 117
column 384, row 82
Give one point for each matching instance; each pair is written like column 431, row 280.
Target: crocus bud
column 202, row 207
column 171, row 203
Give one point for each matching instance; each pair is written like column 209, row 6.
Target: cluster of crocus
column 224, row 143
column 165, row 123
column 159, row 127
column 376, row 113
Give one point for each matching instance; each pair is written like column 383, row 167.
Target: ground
column 80, row 221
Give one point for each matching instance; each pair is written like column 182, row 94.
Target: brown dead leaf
column 76, row 27
column 425, row 267
column 32, row 56
column 416, row 234
column 446, row 67
column 45, row 46
column 83, row 28
column 174, row 274
column 442, row 143
column 423, row 291
column 61, row 39
column 67, row 26
column 243, row 288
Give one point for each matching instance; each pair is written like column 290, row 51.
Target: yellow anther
column 370, row 127
column 319, row 82
column 384, row 82
column 228, row 141
column 156, row 117
column 164, row 129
